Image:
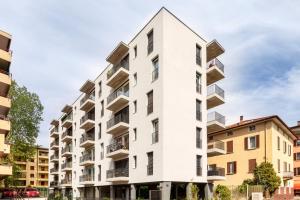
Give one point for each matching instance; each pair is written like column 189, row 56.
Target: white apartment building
column 140, row 128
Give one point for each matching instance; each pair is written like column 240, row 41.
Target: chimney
column 241, row 118
column 298, row 123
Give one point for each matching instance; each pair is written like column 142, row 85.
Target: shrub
column 243, row 188
column 223, row 192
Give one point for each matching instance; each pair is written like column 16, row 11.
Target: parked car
column 30, row 192
column 9, row 193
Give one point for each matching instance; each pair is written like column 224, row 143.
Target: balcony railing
column 115, row 68
column 54, row 130
column 90, row 96
column 121, row 91
column 115, row 146
column 215, row 89
column 67, row 133
column 215, row 62
column 88, row 116
column 66, row 181
column 155, row 74
column 217, row 171
column 53, row 157
column 119, row 172
column 53, row 183
column 66, row 165
column 86, row 137
column 150, row 169
column 54, row 143
column 117, row 119
column 67, row 117
column 155, row 137
column 67, row 149
column 53, row 170
column 88, row 177
column 214, row 116
column 217, row 145
column 87, row 157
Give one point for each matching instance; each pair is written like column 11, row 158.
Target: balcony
column 67, row 120
column 87, row 159
column 67, row 151
column 54, row 132
column 6, row 148
column 5, row 170
column 118, row 124
column 215, row 122
column 87, row 140
column 118, row 53
column 287, row 175
column 117, row 150
column 5, row 82
column 66, row 182
column 67, row 135
column 215, row 96
column 87, row 179
column 87, row 121
column 43, row 162
column 5, row 104
column 54, row 158
column 4, row 124
column 87, row 102
column 118, row 73
column 213, row 50
column 54, row 145
column 5, row 56
column 54, row 170
column 216, row 174
column 43, row 155
column 117, row 175
column 54, row 184
column 66, row 166
column 215, row 71
column 118, row 99
column 215, row 148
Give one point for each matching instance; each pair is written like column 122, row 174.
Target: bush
column 223, row 192
column 243, row 188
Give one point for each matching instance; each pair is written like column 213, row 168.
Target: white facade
column 174, row 106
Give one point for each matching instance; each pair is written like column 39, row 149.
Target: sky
column 58, row 45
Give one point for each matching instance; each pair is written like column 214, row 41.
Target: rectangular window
column 278, row 165
column 252, row 128
column 150, row 102
column 297, row 156
column 198, row 83
column 231, row 167
column 229, row 145
column 102, row 151
column 134, row 106
column 150, row 42
column 102, row 108
column 252, row 142
column 199, row 138
column 150, row 164
column 155, row 125
column 198, row 55
column 100, row 89
column 290, row 150
column 134, row 162
column 135, row 51
column 99, row 175
column 284, row 146
column 198, row 110
column 199, row 165
column 278, row 142
column 155, row 64
column 252, row 165
column 134, row 79
column 100, row 131
column 134, row 134
column 297, row 142
column 285, row 166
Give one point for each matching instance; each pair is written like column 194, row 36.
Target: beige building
column 34, row 172
column 5, row 103
column 296, row 130
column 235, row 151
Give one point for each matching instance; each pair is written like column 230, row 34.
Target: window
column 198, row 55
column 199, row 165
column 134, row 134
column 135, row 51
column 229, row 145
column 31, row 175
column 252, row 142
column 284, row 146
column 150, row 164
column 297, row 142
column 150, row 41
column 199, row 138
column 252, row 128
column 150, row 102
column 252, row 165
column 31, row 167
column 102, row 108
column 99, row 175
column 229, row 133
column 155, row 64
column 100, row 89
column 134, row 79
column 289, row 167
column 31, row 182
column 285, row 166
column 297, row 156
column 297, row 171
column 134, row 162
column 278, row 142
column 198, row 83
column 290, row 150
column 155, row 126
column 231, row 167
column 100, row 131
column 102, row 151
column 198, row 110
column 134, row 107
column 278, row 165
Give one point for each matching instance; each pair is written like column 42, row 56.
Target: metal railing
column 67, row 133
column 87, row 177
column 155, row 137
column 54, row 143
column 217, row 171
column 86, row 137
column 67, row 149
column 118, row 172
column 155, row 74
column 150, row 169
column 215, row 116
column 215, row 89
column 90, row 96
column 115, row 146
column 217, row 145
column 115, row 68
column 117, row 93
column 117, row 119
column 88, row 116
column 87, row 157
column 215, row 62
column 67, row 117
column 53, row 157
column 66, row 165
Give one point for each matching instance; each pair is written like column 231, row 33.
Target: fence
column 237, row 193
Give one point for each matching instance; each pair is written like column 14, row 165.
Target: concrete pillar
column 132, row 192
column 97, row 191
column 189, row 194
column 165, row 190
column 209, row 191
column 127, row 193
column 112, row 193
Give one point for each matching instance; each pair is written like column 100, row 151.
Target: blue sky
column 57, row 45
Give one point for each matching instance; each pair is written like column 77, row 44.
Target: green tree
column 265, row 175
column 223, row 192
column 25, row 116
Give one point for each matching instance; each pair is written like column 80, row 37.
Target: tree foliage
column 223, row 192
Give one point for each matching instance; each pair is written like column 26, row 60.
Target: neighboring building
column 236, row 150
column 142, row 123
column 5, row 103
column 296, row 130
column 34, row 172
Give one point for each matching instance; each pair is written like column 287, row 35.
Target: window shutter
column 252, row 165
column 246, row 143
column 257, row 141
column 228, row 171
column 230, row 146
column 234, row 167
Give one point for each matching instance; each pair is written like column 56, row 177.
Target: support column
column 209, row 191
column 97, row 191
column 165, row 190
column 112, row 193
column 127, row 193
column 132, row 192
column 189, row 194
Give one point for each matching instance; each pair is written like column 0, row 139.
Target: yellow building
column 234, row 152
column 34, row 172
column 5, row 103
